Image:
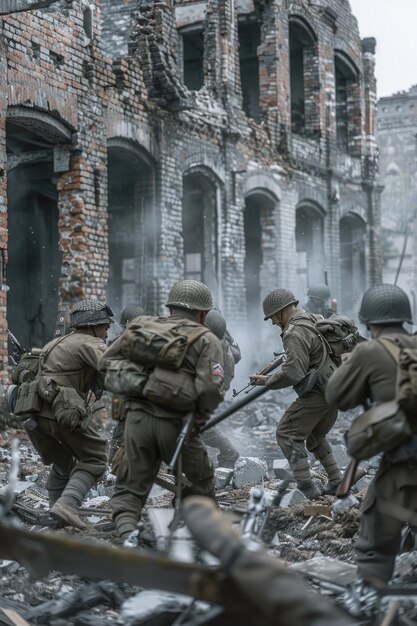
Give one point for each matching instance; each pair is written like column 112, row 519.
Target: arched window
column 309, row 245
column 348, row 102
column 352, row 231
column 260, row 205
column 304, row 77
column 34, row 256
column 199, row 227
column 130, row 200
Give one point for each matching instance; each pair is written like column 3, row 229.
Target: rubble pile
column 314, row 537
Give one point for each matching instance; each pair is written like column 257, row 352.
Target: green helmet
column 321, row 292
column 130, row 312
column 191, row 295
column 276, row 301
column 385, row 304
column 90, row 312
column 216, row 322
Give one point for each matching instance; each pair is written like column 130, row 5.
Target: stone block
column 293, row 497
column 281, row 468
column 249, row 471
column 222, row 477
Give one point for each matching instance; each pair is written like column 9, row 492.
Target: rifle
column 348, row 479
column 17, row 348
column 273, row 365
column 182, row 438
column 235, row 407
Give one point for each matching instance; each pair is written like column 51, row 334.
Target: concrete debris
column 341, row 456
column 20, row 487
column 222, row 477
column 249, row 471
column 340, row 506
column 150, row 603
column 328, row 569
column 292, row 498
column 363, row 483
column 281, row 468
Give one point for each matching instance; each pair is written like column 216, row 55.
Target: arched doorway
column 34, row 256
column 352, row 230
column 258, row 227
column 309, row 239
column 130, row 200
column 199, row 227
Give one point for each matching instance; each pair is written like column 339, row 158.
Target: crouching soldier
column 61, row 432
column 308, row 420
column 231, row 355
column 187, row 376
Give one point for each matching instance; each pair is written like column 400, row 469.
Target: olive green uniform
column 370, row 374
column 151, row 433
column 78, row 454
column 228, row 455
column 307, row 421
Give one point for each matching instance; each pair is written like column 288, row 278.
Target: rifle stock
column 182, row 438
column 348, row 479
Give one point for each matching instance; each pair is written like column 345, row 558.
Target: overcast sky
column 394, row 24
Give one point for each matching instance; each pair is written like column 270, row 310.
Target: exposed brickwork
column 55, row 68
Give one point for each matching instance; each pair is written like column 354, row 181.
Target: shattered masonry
column 229, row 140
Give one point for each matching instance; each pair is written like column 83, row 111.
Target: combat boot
column 67, row 515
column 310, row 489
column 332, row 487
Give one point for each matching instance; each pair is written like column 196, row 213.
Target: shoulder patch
column 217, row 372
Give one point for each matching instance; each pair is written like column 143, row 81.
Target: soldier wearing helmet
column 65, row 440
column 228, row 455
column 307, row 421
column 370, row 376
column 152, row 427
column 318, row 301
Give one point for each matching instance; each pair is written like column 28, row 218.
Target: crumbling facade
column 144, row 141
column 396, row 132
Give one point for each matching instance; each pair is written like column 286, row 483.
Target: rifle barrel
column 236, row 406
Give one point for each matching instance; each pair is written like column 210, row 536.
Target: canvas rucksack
column 159, row 341
column 338, row 335
column 387, row 426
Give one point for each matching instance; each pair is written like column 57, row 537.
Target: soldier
column 152, row 430
column 370, row 374
column 307, row 421
column 231, row 355
column 118, row 407
column 270, row 593
column 77, row 455
column 318, row 301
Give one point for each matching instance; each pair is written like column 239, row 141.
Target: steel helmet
column 385, row 304
column 321, row 292
column 130, row 312
column 216, row 322
column 192, row 295
column 278, row 300
column 90, row 312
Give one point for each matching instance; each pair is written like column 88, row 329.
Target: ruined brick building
column 142, row 141
column 397, row 141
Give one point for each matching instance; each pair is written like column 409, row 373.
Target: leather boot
column 310, row 489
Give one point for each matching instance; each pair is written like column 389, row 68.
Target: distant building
column 397, row 141
column 231, row 141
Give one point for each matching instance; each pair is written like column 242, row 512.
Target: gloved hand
column 211, row 530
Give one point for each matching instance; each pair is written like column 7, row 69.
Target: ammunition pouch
column 69, row 409
column 28, row 401
column 27, row 368
column 310, row 380
column 380, row 429
column 125, row 377
column 171, row 389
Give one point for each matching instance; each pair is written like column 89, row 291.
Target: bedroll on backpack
column 340, row 332
column 379, row 429
column 159, row 341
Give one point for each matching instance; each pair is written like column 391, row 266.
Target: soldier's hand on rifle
column 257, row 379
column 200, row 421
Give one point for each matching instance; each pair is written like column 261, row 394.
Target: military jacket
column 73, row 362
column 303, row 349
column 370, row 373
column 204, row 360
